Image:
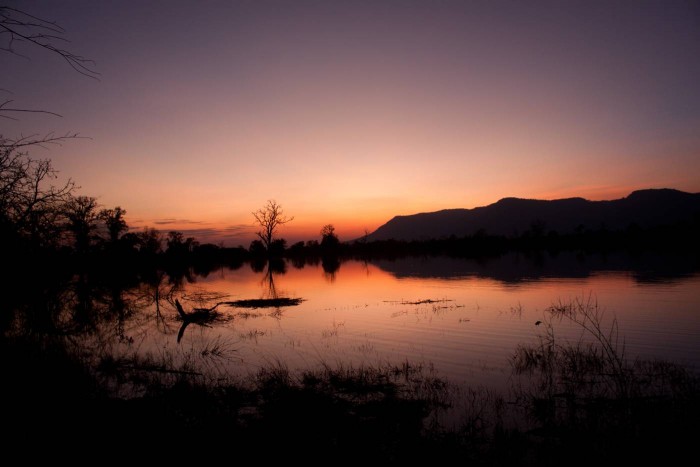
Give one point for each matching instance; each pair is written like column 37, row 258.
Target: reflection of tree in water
column 85, row 312
column 39, row 307
column 330, row 265
column 258, row 264
column 84, row 303
column 82, row 314
column 100, row 306
column 298, row 262
column 274, row 266
column 269, row 284
column 270, row 292
column 365, row 267
column 105, row 321
column 179, row 273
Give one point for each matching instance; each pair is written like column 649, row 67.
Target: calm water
column 376, row 313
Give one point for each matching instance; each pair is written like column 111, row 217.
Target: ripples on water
column 462, row 319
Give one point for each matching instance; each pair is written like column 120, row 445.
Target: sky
column 349, row 113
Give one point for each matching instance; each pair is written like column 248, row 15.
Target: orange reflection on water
column 466, row 325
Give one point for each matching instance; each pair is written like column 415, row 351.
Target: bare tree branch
column 3, row 108
column 19, row 26
column 270, row 218
column 34, row 140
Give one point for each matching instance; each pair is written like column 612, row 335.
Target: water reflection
column 514, row 268
column 274, row 266
column 330, row 265
column 462, row 317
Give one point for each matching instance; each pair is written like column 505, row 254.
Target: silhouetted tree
column 81, row 213
column 178, row 244
column 130, row 241
column 277, row 247
column 365, row 236
column 297, row 248
column 30, row 207
column 297, row 253
column 257, row 248
column 174, row 239
column 270, row 218
column 150, row 241
column 329, row 240
column 114, row 220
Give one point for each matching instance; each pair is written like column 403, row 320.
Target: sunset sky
column 352, row 112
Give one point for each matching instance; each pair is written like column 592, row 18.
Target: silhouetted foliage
column 81, row 214
column 114, row 220
column 150, row 242
column 329, row 239
column 277, row 248
column 178, row 245
column 257, row 248
column 30, row 206
column 270, row 218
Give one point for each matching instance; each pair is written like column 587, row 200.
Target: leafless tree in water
column 270, row 218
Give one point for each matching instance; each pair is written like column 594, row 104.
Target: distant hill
column 512, row 217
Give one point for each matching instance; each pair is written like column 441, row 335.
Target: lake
column 461, row 319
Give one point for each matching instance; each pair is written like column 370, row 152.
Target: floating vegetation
column 264, row 302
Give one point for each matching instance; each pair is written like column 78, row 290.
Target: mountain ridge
column 512, row 216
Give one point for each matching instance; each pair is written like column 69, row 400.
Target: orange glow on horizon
column 350, row 224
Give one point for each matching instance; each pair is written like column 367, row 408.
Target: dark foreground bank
column 570, row 404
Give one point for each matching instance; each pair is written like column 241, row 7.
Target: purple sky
column 353, row 112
